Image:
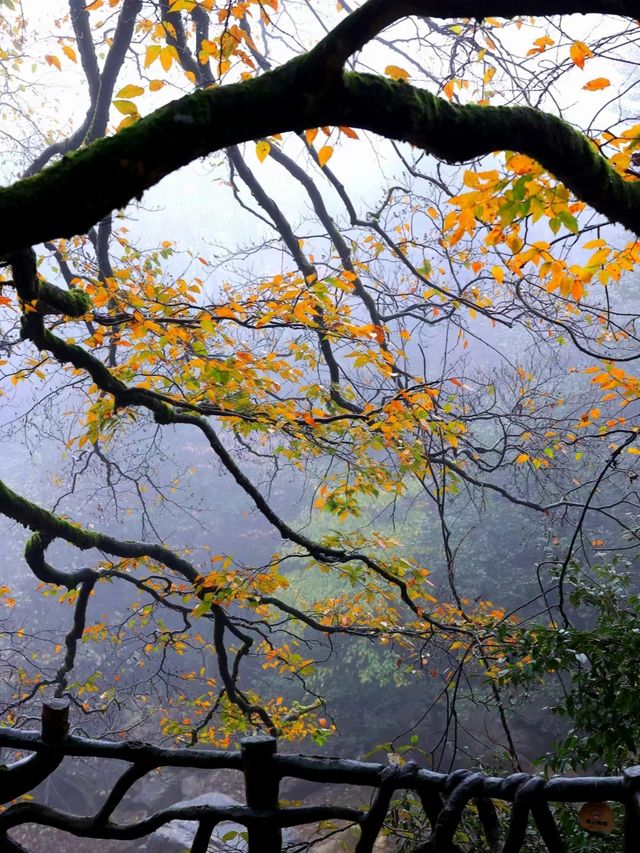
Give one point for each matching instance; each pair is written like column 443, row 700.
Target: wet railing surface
column 443, row 797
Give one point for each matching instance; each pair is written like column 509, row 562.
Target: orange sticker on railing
column 597, row 817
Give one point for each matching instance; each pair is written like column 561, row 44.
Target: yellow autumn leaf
column 566, row 285
column 521, row 164
column 579, row 52
column 498, row 273
column 310, row 135
column 207, row 325
column 597, row 84
column 127, row 108
column 262, row 150
column 167, row 55
column 69, row 52
column 225, row 311
column 152, row 53
column 127, row 121
column 130, row 91
column 489, row 74
column 521, row 458
column 154, row 85
column 182, row 6
column 396, row 73
column 324, row 155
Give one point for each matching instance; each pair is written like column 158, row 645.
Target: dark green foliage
column 588, row 670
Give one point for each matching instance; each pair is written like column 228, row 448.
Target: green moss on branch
column 458, row 133
column 108, row 174
column 73, row 303
column 49, row 526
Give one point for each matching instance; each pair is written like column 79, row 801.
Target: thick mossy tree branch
column 73, row 302
column 50, row 526
column 478, row 9
column 30, row 288
column 455, row 133
column 384, row 13
column 311, row 91
column 365, row 23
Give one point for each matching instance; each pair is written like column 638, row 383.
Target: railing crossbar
column 444, row 797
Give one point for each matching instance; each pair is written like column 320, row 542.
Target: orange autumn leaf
column 225, row 311
column 324, row 155
column 597, row 84
column 396, row 73
column 580, row 52
column 53, row 60
column 69, row 52
column 540, row 45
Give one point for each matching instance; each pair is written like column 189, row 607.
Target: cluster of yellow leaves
column 166, row 55
column 624, row 146
column 229, row 42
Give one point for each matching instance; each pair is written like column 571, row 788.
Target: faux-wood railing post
column 55, row 720
column 24, row 775
column 262, row 785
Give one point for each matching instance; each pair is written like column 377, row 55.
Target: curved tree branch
column 309, row 92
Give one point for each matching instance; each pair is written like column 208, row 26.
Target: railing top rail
column 443, row 796
column 321, row 769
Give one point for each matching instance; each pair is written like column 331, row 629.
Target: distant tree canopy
column 385, row 330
